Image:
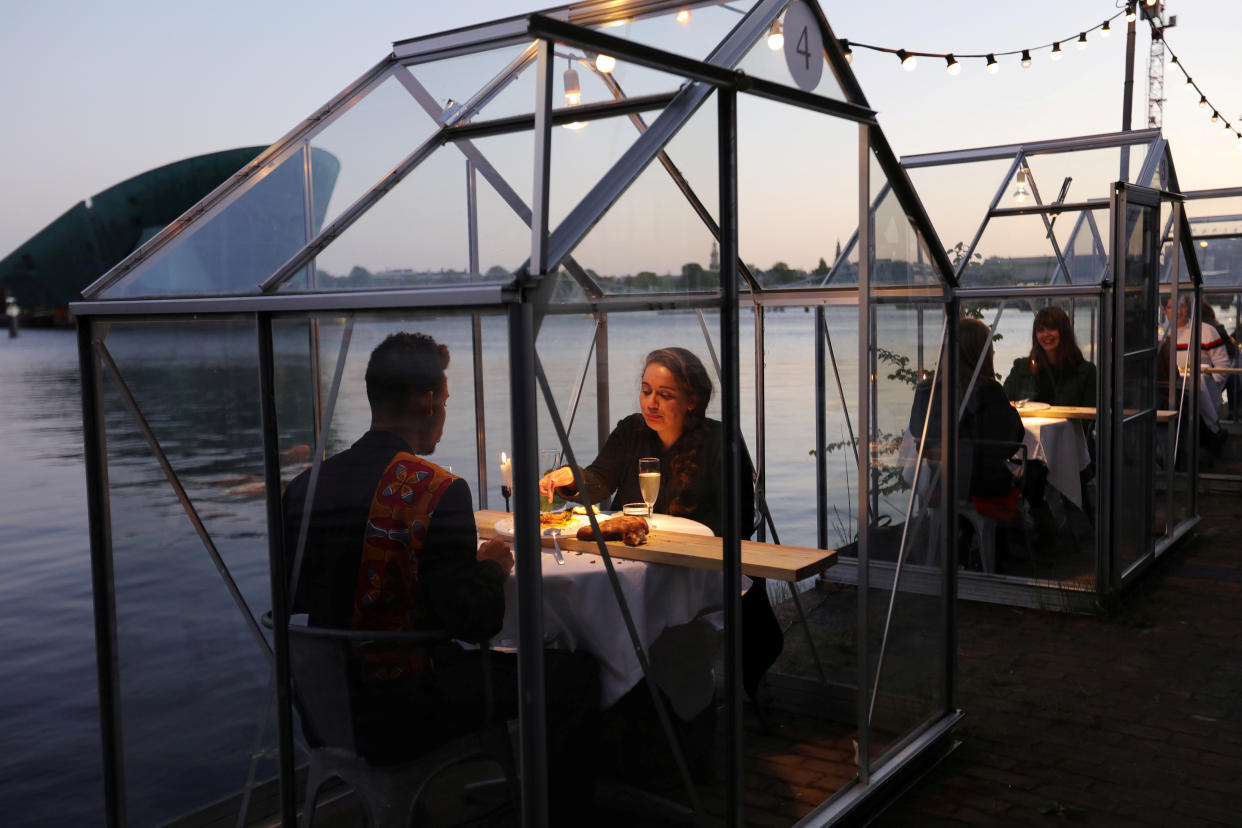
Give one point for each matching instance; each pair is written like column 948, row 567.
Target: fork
column 556, row 546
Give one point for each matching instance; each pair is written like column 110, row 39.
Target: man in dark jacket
column 391, row 545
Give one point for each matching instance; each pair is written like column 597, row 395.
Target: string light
column 683, row 16
column 1022, row 192
column 573, row 92
column 1130, row 13
column 1158, row 31
column 605, row 63
column 776, row 35
column 954, row 61
column 1151, row 2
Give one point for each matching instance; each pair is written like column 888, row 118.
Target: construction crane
column 1155, row 61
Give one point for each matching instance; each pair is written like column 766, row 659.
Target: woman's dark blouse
column 988, row 435
column 1055, row 386
column 696, row 495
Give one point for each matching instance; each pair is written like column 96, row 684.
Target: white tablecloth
column 581, row 613
column 1061, row 444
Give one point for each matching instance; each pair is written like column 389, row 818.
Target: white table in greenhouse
column 673, row 588
column 1061, row 444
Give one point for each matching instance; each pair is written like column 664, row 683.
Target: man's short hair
column 403, row 365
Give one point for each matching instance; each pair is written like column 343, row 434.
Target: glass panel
column 1135, row 489
column 1220, row 260
column 793, row 230
column 791, row 52
column 417, row 234
column 1139, row 324
column 1014, row 250
column 457, row 80
column 584, row 72
column 901, row 256
column 1230, row 206
column 178, row 629
column 1086, row 255
column 693, row 32
column 363, row 145
column 236, row 249
column 905, row 621
column 1091, row 173
column 956, row 198
column 651, row 240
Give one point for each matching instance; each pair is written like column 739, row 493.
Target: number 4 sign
column 804, row 46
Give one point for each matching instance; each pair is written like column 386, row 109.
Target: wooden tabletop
column 1083, row 412
column 759, row 560
column 1207, row 369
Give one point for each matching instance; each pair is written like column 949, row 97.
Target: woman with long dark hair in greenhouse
column 1055, row 371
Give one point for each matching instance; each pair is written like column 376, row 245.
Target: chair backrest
column 320, row 668
column 322, row 662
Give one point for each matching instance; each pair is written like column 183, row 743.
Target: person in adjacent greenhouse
column 392, row 546
column 1055, row 371
column 1212, row 354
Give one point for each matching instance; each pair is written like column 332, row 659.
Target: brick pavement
column 1132, row 718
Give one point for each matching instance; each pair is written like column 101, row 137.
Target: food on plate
column 630, row 530
column 580, row 511
column 555, row 520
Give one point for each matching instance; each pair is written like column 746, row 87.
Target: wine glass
column 649, row 483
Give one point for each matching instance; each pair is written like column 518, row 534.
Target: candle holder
column 506, row 478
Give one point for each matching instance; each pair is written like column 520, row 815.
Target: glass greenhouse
column 552, row 197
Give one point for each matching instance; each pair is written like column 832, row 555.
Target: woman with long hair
column 671, row 425
column 1055, row 371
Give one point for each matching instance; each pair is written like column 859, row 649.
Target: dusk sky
column 98, row 93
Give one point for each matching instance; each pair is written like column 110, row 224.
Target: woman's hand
column 564, row 476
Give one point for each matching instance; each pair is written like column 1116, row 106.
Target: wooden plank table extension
column 759, row 560
column 1084, row 412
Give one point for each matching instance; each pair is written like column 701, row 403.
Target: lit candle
column 506, row 471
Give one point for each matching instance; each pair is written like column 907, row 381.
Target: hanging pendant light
column 776, row 35
column 1022, row 192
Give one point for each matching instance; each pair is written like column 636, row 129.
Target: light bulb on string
column 605, row 63
column 1151, row 2
column 1026, row 58
column 1022, row 192
column 573, row 92
column 951, row 65
column 1215, row 116
column 1082, row 41
column 1056, row 51
column 1130, row 13
column 993, row 67
column 907, row 60
column 683, row 16
column 776, row 35
column 1203, row 101
column 1105, row 31
column 849, row 53
column 1190, row 84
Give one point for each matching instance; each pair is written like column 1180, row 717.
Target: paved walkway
column 1131, row 718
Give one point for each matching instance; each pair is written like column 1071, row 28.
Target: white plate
column 1031, row 405
column 504, row 526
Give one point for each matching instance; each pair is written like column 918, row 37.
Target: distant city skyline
column 100, row 95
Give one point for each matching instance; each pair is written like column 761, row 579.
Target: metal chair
column 319, row 660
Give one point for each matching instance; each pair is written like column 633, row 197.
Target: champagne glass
column 649, row 483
